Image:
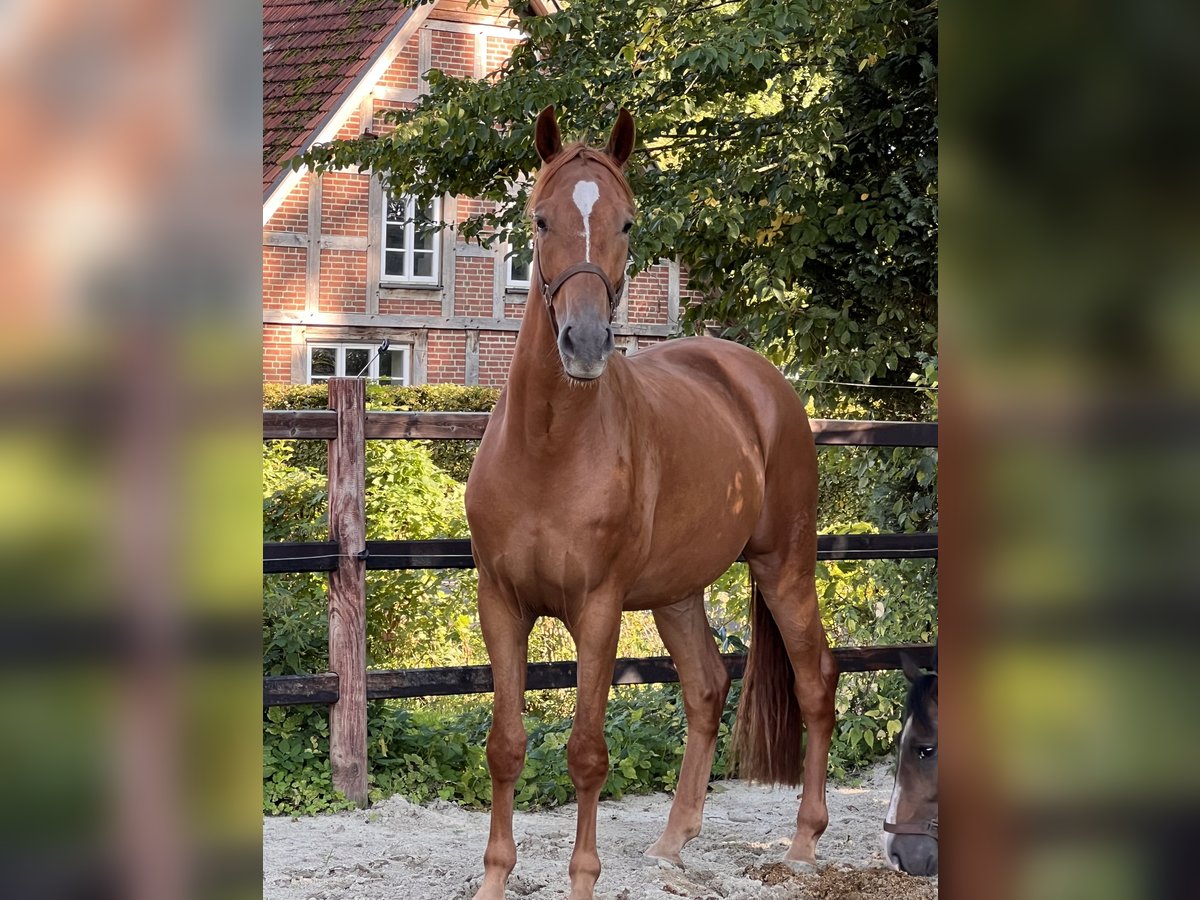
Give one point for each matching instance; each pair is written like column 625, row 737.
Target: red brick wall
column 343, row 281
column 277, row 353
column 498, row 49
column 495, row 356
column 648, row 296
column 447, row 361
column 344, row 204
column 402, row 73
column 473, row 287
column 283, row 277
column 292, row 214
column 352, row 127
column 453, row 53
column 405, row 306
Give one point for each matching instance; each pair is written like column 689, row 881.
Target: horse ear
column 620, row 142
column 912, row 671
column 545, row 134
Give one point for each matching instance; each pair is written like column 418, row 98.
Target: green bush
column 453, row 457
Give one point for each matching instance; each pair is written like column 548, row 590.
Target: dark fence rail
column 321, row 424
column 346, row 557
column 323, row 556
column 290, row 690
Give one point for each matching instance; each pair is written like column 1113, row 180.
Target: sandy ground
column 401, row 851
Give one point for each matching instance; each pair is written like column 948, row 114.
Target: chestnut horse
column 605, row 483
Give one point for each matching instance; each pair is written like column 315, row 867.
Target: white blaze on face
column 891, row 813
column 585, row 197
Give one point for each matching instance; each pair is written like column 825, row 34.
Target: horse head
column 582, row 210
column 910, row 838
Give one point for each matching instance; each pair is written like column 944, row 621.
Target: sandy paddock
column 400, row 851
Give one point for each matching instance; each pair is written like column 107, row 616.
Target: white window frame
column 407, row 277
column 340, row 349
column 515, row 284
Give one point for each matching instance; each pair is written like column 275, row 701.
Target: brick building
column 344, row 265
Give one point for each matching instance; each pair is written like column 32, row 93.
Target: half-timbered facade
column 345, row 265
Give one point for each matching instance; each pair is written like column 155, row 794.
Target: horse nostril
column 564, row 341
column 608, row 341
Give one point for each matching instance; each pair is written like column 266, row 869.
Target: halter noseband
column 929, row 827
column 550, row 288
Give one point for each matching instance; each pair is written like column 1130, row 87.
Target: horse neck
column 541, row 403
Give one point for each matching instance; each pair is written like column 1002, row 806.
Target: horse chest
column 550, row 534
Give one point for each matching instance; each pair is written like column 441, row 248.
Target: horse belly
column 686, row 557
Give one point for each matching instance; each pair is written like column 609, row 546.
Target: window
column 516, row 266
column 389, row 367
column 410, row 243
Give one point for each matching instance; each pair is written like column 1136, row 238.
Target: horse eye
column 541, row 223
column 628, row 225
column 926, row 752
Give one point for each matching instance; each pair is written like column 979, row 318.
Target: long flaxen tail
column 768, row 733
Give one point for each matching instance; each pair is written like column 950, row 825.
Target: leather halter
column 550, row 288
column 929, row 827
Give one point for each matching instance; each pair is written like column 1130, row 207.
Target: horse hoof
column 802, row 866
column 662, row 861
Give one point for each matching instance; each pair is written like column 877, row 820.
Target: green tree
column 788, row 157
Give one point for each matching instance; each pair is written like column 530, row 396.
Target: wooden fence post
column 348, row 590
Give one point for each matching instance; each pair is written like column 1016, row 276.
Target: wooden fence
column 347, row 556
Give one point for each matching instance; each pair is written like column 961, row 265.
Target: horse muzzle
column 916, row 854
column 585, row 343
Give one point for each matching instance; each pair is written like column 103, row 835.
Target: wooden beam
column 865, row 433
column 448, row 681
column 312, row 264
column 455, row 553
column 348, row 590
column 299, row 424
column 295, row 690
column 319, row 425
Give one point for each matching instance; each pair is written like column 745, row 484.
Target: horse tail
column 769, row 729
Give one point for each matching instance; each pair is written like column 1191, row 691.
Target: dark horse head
column 582, row 212
column 910, row 831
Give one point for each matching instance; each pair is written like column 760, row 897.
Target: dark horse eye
column 541, row 223
column 926, row 752
column 628, row 225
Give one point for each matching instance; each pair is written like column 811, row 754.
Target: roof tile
column 312, row 52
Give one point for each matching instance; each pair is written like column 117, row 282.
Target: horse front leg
column 506, row 634
column 704, row 681
column 596, row 634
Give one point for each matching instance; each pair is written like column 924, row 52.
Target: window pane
column 518, row 267
column 422, row 238
column 395, row 237
column 324, row 361
column 356, row 359
column 392, row 368
column 424, row 214
column 422, row 265
column 393, row 264
column 397, row 209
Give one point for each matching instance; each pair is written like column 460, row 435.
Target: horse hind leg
column 684, row 629
column 788, row 589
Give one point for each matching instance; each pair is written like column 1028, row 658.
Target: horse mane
column 917, row 704
column 577, row 150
